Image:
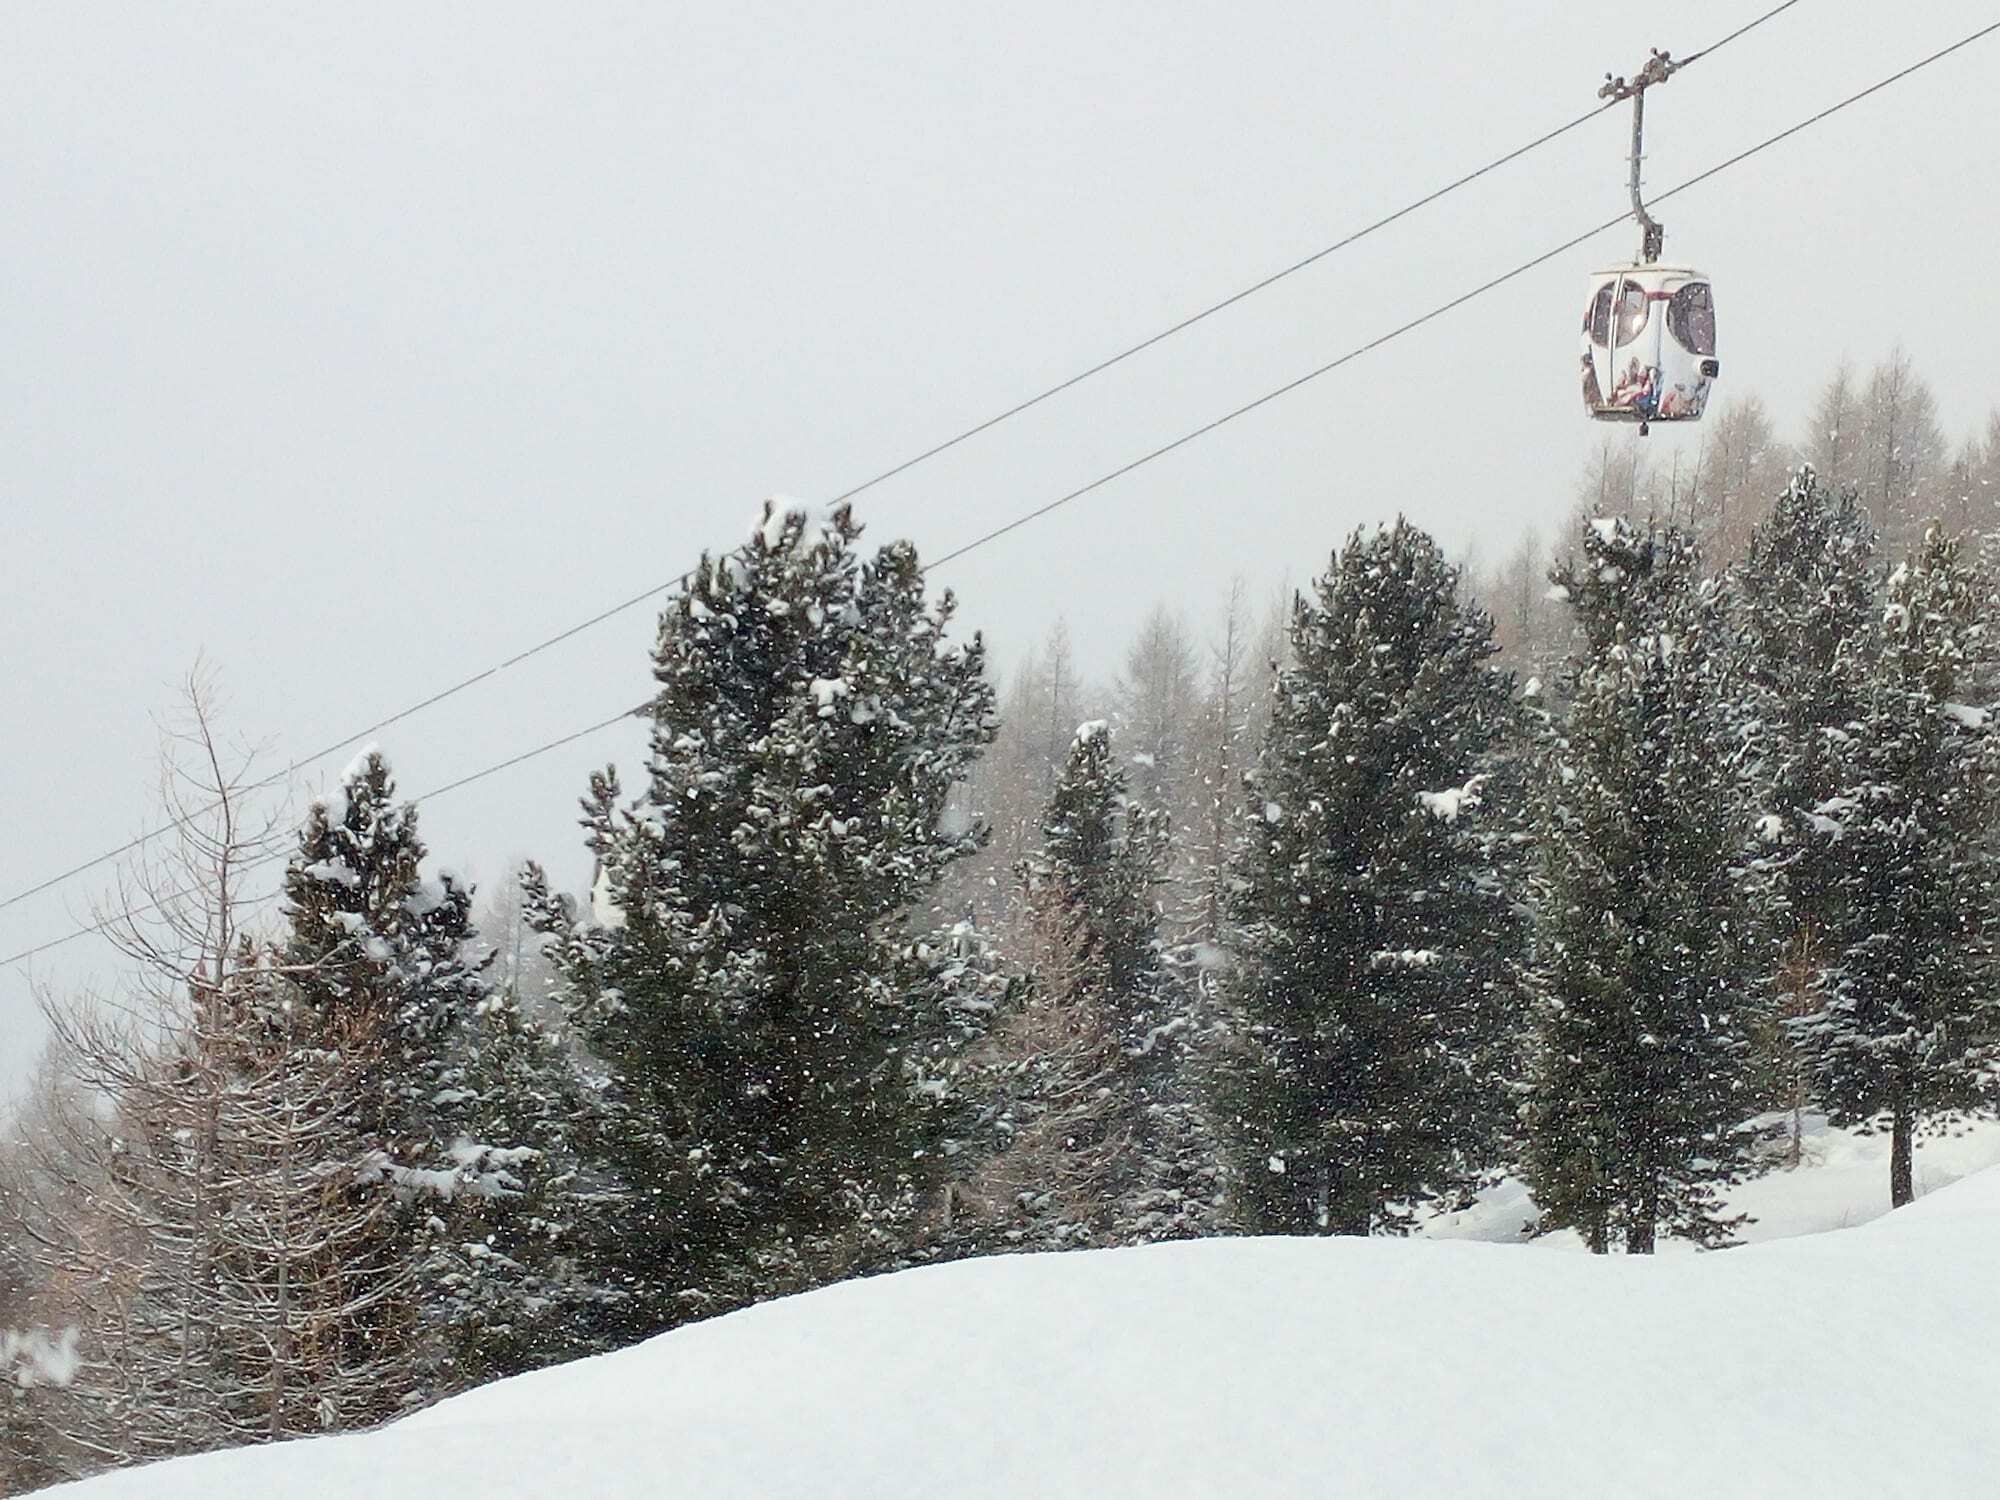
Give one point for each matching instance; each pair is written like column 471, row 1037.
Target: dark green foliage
column 524, row 1278
column 1376, row 933
column 1910, row 1017
column 1806, row 597
column 468, row 1111
column 1103, row 857
column 378, row 954
column 783, row 1054
column 1640, row 1076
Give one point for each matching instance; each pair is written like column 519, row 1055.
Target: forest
column 1596, row 866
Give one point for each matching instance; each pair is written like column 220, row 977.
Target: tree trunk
column 1643, row 1214
column 1902, row 1185
column 1801, row 969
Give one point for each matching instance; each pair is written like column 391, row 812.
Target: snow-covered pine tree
column 1805, row 597
column 1641, row 962
column 783, row 1050
column 381, row 952
column 381, row 956
column 1375, row 935
column 1909, row 1022
column 1102, row 861
column 524, row 1277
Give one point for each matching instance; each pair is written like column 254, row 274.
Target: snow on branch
column 38, row 1358
column 477, row 1171
column 814, row 522
column 1448, row 804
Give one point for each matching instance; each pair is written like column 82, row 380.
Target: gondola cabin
column 1648, row 345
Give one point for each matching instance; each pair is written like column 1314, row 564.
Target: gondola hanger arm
column 1658, row 69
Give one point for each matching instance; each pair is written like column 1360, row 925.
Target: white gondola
column 1648, row 329
column 1648, row 344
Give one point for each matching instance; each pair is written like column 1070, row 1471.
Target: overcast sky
column 360, row 346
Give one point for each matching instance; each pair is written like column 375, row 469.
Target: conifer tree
column 1376, row 933
column 1909, row 1021
column 526, row 1276
column 382, row 952
column 1640, row 1074
column 783, row 1048
column 1103, row 858
column 456, row 1100
column 1806, row 597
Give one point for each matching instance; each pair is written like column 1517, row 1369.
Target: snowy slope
column 1843, row 1181
column 1858, row 1363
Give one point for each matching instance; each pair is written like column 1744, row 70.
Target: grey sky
column 360, row 346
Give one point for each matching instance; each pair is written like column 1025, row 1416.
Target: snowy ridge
column 1254, row 1367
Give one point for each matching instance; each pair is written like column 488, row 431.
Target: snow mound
column 1854, row 1364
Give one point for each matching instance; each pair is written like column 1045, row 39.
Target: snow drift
column 1859, row 1363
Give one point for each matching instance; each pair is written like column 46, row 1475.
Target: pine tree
column 1908, row 1025
column 383, row 952
column 526, row 1276
column 1375, row 933
column 1806, row 597
column 456, row 1104
column 1640, row 1078
column 783, row 1048
column 1103, row 858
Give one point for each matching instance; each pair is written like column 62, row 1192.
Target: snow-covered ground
column 1860, row 1363
column 1842, row 1181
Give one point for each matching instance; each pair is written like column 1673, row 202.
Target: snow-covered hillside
column 1857, row 1363
column 1842, row 1181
